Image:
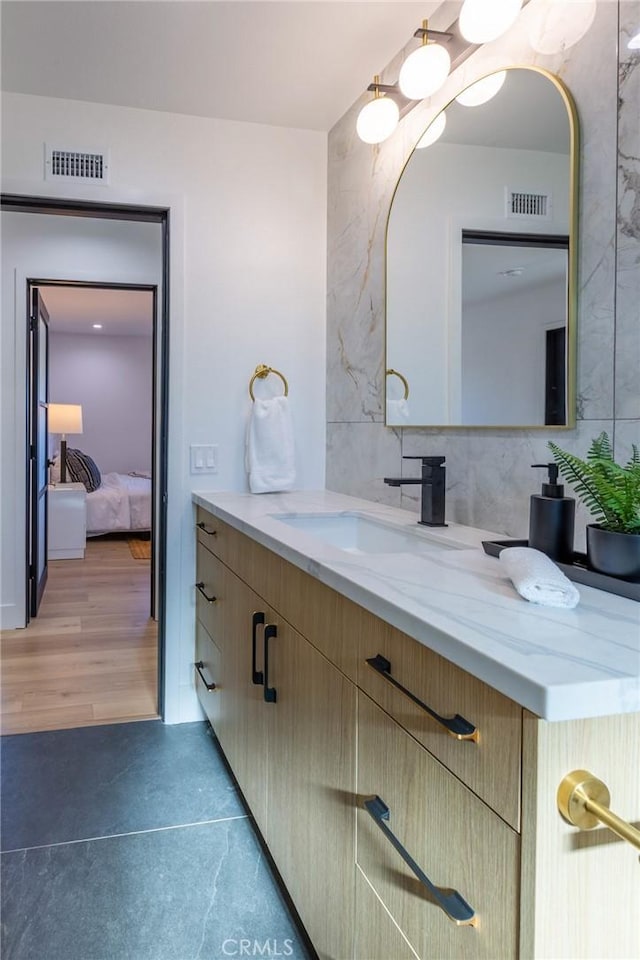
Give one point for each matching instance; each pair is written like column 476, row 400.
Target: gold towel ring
column 262, row 371
column 405, row 382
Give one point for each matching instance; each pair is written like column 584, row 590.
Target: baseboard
column 11, row 617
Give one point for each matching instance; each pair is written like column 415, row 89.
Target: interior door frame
column 35, row 284
column 18, row 203
column 37, row 363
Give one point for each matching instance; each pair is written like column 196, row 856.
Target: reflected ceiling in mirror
column 481, row 254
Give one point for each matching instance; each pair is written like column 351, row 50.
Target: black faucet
column 432, row 483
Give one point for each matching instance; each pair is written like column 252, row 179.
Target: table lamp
column 64, row 418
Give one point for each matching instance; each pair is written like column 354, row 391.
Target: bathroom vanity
column 399, row 721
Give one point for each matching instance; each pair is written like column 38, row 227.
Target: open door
column 37, row 450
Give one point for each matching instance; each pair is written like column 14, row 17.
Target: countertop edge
column 554, row 703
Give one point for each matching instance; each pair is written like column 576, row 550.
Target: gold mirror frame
column 572, row 266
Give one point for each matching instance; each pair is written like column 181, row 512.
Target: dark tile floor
column 129, row 842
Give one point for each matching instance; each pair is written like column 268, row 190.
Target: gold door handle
column 583, row 801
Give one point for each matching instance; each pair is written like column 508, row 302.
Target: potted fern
column 611, row 492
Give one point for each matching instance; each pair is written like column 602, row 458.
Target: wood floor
column 90, row 656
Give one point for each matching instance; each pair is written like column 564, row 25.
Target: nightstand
column 67, row 527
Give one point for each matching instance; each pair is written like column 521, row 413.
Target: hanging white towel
column 270, row 458
column 537, row 578
column 397, row 411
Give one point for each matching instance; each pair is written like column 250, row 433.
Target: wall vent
column 84, row 166
column 527, row 204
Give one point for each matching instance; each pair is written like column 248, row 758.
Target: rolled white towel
column 537, row 578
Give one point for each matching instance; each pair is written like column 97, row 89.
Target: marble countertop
column 560, row 664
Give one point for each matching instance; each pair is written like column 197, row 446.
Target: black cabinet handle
column 199, row 665
column 203, row 527
column 269, row 692
column 200, row 587
column 257, row 676
column 453, row 904
column 457, row 726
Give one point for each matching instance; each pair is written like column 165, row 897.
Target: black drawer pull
column 199, row 665
column 200, row 587
column 457, row 726
column 203, row 527
column 453, row 904
column 257, row 676
column 269, row 692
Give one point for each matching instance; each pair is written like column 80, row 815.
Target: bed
column 121, row 503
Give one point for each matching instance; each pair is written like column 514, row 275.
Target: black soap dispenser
column 551, row 518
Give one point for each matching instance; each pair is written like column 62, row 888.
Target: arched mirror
column 481, row 254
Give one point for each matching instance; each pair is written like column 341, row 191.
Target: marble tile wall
column 627, row 380
column 489, row 478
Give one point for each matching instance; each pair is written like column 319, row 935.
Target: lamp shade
column 424, row 71
column 484, row 20
column 377, row 120
column 65, row 418
column 433, row 132
column 483, row 90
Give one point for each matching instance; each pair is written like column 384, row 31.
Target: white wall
column 508, row 387
column 445, row 188
column 112, row 378
column 247, row 285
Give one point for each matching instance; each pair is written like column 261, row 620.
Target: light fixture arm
column 390, row 88
column 423, row 33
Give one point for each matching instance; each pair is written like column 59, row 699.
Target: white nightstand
column 67, row 528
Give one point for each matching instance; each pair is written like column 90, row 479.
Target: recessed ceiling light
column 97, row 326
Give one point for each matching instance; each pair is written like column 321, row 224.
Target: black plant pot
column 616, row 554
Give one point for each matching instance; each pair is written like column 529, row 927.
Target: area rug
column 140, row 549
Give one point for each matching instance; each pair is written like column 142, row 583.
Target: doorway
column 97, row 362
column 154, row 466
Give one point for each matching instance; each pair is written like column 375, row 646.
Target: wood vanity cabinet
column 456, row 840
column 363, row 793
column 290, row 741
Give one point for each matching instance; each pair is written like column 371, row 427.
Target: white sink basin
column 355, row 533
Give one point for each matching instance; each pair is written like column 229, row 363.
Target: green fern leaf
column 610, row 491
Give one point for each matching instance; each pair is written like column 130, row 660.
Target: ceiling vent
column 81, row 166
column 525, row 205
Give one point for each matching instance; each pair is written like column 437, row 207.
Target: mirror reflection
column 479, row 262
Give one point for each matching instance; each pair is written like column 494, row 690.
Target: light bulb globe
column 377, row 120
column 424, row 71
column 484, row 20
column 433, row 132
column 482, row 91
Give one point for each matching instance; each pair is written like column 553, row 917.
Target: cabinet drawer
column 490, row 766
column 209, row 591
column 376, row 935
column 459, row 843
column 212, row 533
column 210, row 661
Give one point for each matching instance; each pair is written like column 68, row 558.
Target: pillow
column 82, row 469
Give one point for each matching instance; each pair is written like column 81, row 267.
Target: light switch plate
column 203, row 458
